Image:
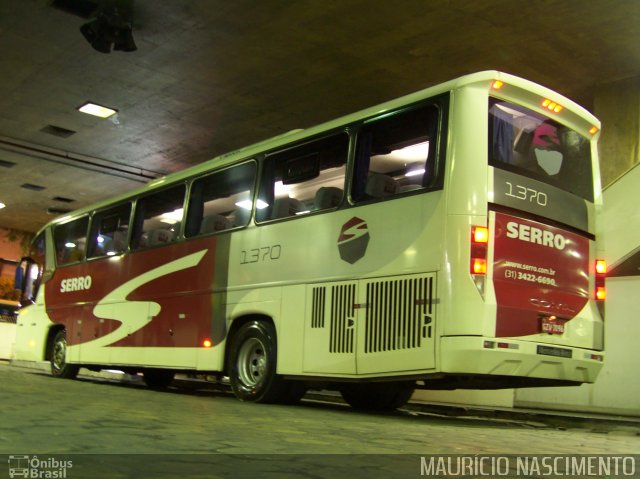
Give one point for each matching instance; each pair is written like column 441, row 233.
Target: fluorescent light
column 244, row 204
column 416, row 152
column 247, row 204
column 280, row 189
column 97, row 110
column 2, row 205
column 172, row 217
column 70, row 245
column 415, row 172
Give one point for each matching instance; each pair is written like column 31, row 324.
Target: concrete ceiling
column 210, row 76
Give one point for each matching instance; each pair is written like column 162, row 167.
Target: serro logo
column 535, row 235
column 79, row 283
column 353, row 240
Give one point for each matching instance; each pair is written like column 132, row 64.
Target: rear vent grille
column 342, row 318
column 398, row 314
column 317, row 307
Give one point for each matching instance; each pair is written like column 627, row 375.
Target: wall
column 617, row 389
column 617, row 105
column 12, row 245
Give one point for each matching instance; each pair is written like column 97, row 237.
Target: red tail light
column 601, row 273
column 479, row 241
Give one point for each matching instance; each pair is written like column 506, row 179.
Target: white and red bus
column 446, row 239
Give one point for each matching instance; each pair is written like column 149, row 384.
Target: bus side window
column 221, row 200
column 303, row 179
column 109, row 231
column 157, row 218
column 71, row 241
column 396, row 154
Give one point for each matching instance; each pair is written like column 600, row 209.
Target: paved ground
column 48, row 417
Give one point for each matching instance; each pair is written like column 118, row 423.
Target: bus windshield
column 530, row 144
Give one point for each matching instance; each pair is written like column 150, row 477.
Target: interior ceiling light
column 110, row 29
column 97, row 110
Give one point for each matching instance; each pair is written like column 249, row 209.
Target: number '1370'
column 526, row 194
column 257, row 255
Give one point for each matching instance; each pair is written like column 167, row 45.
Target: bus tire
column 59, row 366
column 158, row 378
column 252, row 368
column 377, row 396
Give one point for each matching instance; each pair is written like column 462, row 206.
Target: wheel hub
column 252, row 362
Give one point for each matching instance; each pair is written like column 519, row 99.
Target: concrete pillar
column 617, row 105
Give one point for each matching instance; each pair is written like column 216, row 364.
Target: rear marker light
column 207, row 343
column 497, row 84
column 595, row 357
column 593, row 130
column 552, row 106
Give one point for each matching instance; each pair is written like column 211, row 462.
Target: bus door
column 370, row 326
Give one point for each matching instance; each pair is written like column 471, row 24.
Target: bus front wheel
column 377, row 396
column 59, row 366
column 252, row 367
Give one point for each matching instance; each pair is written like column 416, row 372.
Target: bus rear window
column 530, row 144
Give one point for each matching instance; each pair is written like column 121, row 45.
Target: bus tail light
column 601, row 273
column 206, row 343
column 478, row 259
column 479, row 242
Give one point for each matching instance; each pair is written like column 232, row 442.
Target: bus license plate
column 552, row 325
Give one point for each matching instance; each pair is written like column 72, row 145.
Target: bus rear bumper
column 509, row 358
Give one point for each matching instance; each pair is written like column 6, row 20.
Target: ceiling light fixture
column 2, row 205
column 97, row 110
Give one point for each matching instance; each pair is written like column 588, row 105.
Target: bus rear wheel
column 252, row 367
column 59, row 366
column 377, row 396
